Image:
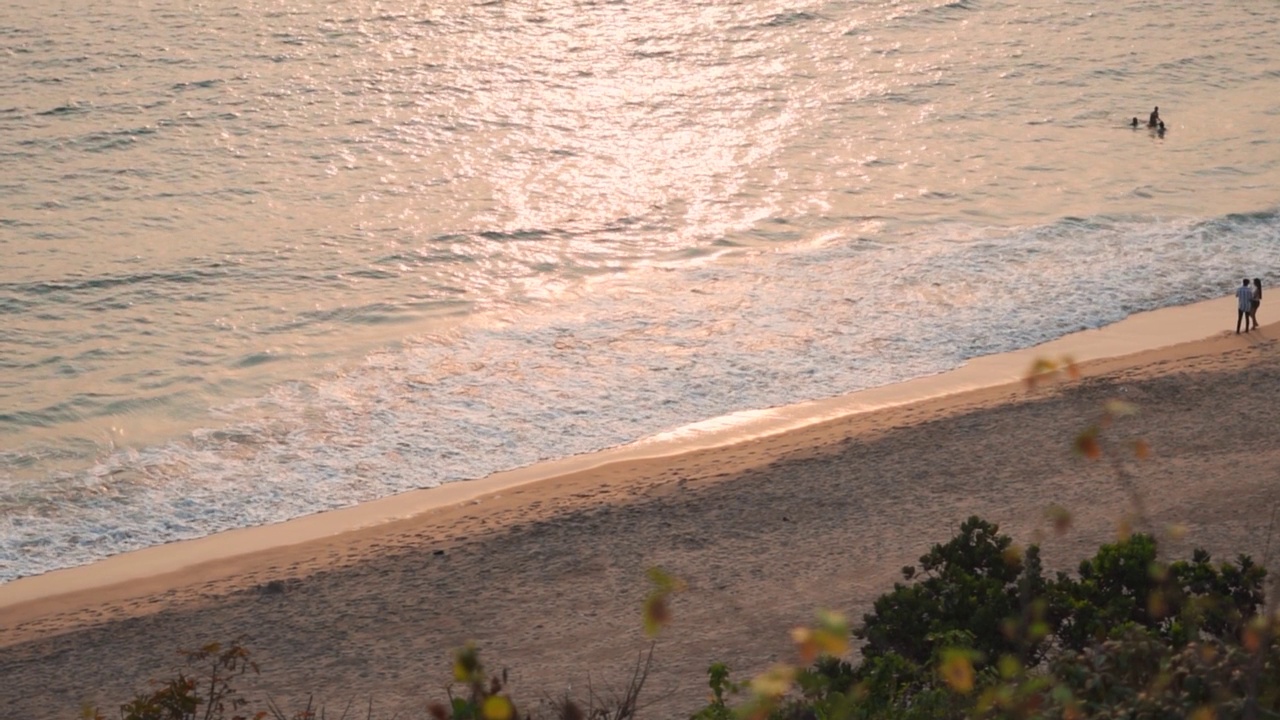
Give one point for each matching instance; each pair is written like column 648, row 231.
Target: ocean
column 263, row 259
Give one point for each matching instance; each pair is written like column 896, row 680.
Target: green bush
column 1141, row 675
column 978, row 631
column 977, row 582
column 1124, row 585
column 207, row 695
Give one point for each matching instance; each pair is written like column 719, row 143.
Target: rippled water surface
column 266, row 258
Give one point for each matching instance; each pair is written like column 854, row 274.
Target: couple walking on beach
column 1247, row 301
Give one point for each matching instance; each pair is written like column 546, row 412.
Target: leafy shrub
column 1124, row 586
column 187, row 696
column 977, row 582
column 976, row 631
column 979, row 631
column 1140, row 675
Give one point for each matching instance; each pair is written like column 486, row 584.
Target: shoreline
column 210, row 555
column 548, row 578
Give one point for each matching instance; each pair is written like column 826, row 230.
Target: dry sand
column 547, row 574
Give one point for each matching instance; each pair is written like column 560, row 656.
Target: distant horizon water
column 263, row 261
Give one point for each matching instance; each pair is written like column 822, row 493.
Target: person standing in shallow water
column 1257, row 300
column 1244, row 304
column 1155, row 118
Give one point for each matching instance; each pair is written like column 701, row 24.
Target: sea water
column 266, row 258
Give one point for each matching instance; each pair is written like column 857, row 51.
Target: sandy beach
column 767, row 520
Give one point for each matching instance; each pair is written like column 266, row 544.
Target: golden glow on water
column 604, row 134
column 242, row 195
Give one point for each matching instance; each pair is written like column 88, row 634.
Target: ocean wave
column 749, row 332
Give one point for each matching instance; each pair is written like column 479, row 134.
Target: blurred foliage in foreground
column 976, row 630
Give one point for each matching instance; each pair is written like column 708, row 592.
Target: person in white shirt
column 1244, row 305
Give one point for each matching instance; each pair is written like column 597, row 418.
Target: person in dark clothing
column 1154, row 120
column 1257, row 300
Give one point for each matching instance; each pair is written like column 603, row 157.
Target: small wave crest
column 640, row 355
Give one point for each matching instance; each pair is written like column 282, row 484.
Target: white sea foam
column 710, row 346
column 270, row 263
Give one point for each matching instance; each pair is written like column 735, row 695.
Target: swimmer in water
column 1160, row 129
column 1155, row 117
column 1134, row 123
